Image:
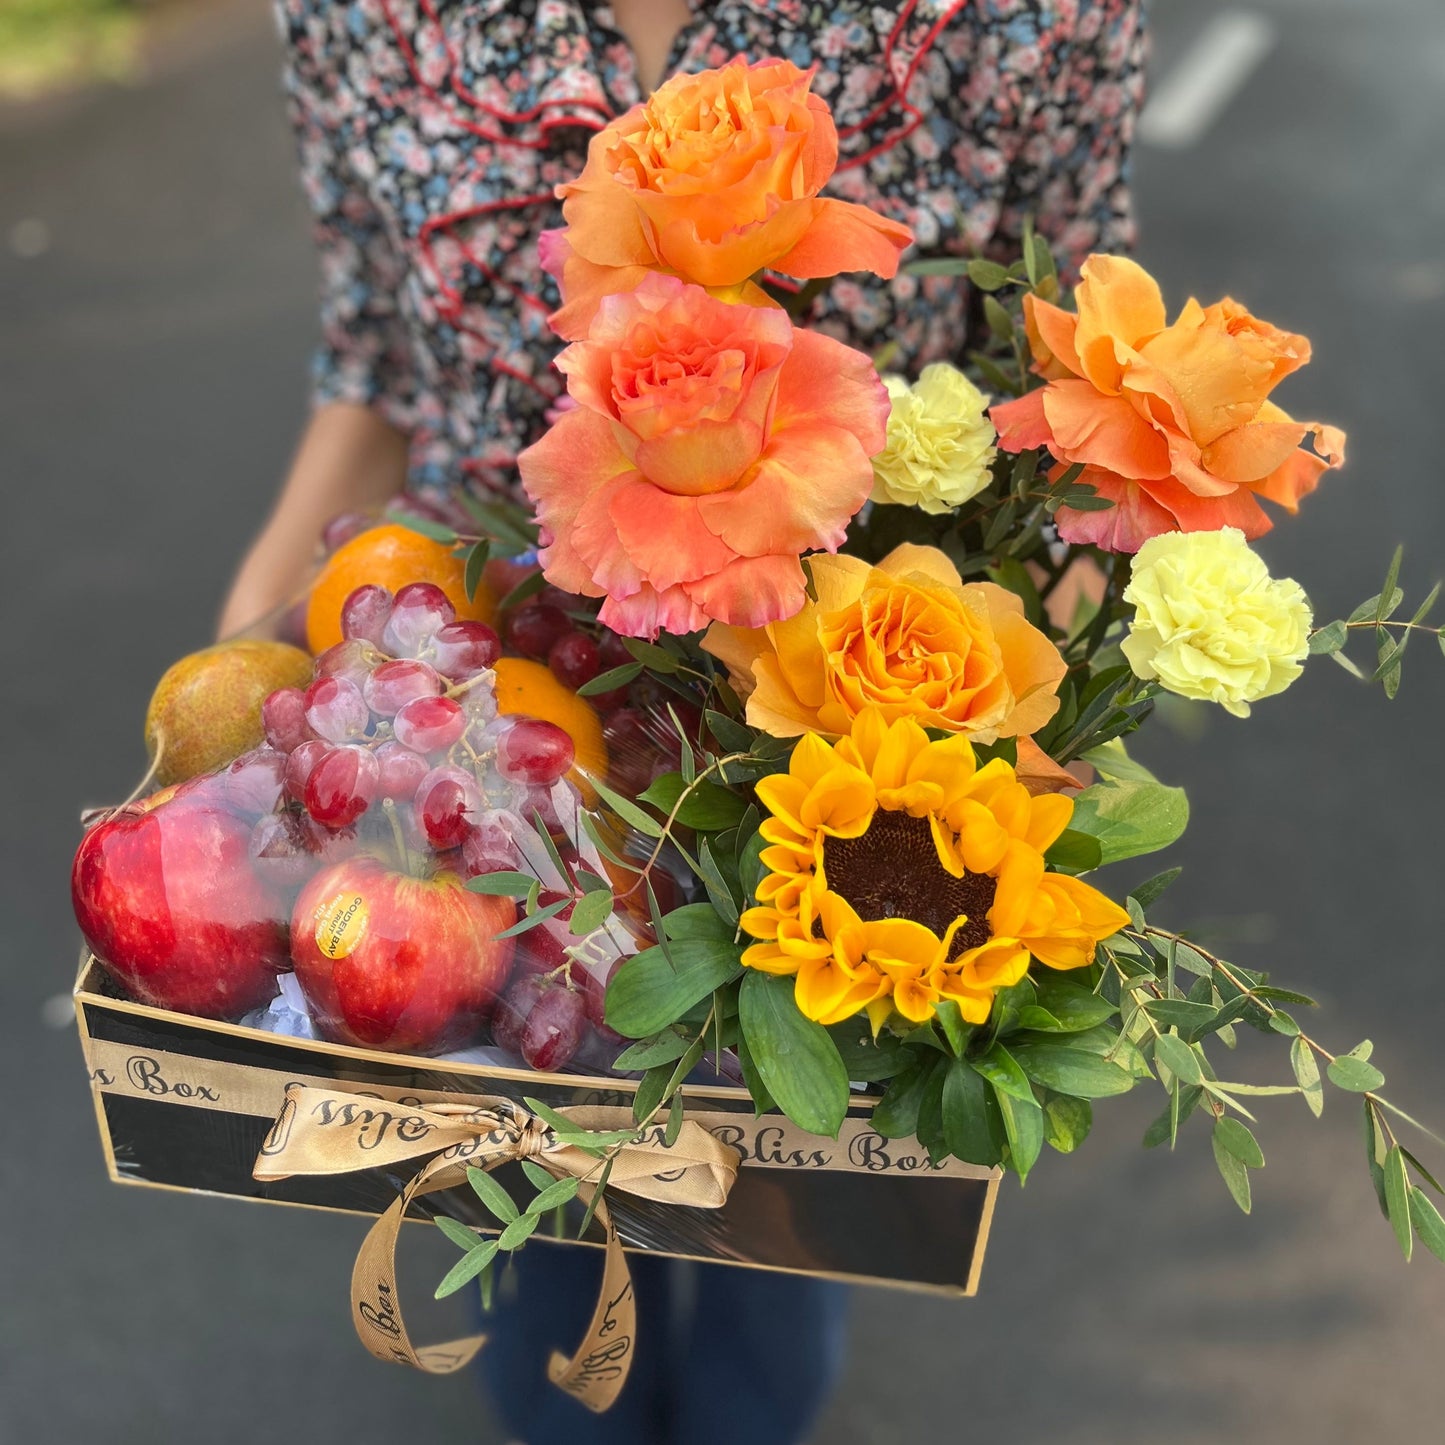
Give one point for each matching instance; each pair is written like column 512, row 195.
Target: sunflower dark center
column 893, row 871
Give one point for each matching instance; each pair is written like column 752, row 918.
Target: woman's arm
column 349, row 460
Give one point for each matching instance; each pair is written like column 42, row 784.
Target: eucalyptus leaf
column 468, row 1267
column 1397, row 1199
column 1354, row 1075
column 1236, row 1138
column 1178, row 1058
column 1233, row 1172
column 1428, row 1223
column 1307, row 1072
column 496, row 1199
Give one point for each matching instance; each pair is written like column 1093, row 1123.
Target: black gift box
column 185, row 1103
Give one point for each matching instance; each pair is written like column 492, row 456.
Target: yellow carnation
column 1211, row 623
column 940, row 442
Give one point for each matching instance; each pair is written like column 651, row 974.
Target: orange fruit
column 530, row 688
column 388, row 556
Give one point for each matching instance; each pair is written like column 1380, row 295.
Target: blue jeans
column 723, row 1354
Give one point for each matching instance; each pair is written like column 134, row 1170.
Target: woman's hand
column 349, row 460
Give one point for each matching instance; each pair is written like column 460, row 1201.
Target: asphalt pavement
column 157, row 295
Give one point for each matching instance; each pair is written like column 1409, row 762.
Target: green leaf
column 628, row 811
column 664, row 1047
column 1307, row 1072
column 987, row 275
column 1388, row 602
column 797, row 1060
column 1075, row 852
column 1130, row 818
column 610, row 680
column 1067, row 1122
column 532, row 920
column 437, row 531
column 1428, row 1223
column 719, row 891
column 457, row 1232
column 696, row 922
column 1178, row 1058
column 1072, row 1071
column 1233, row 1136
column 938, row 266
column 539, row 1176
column 476, row 561
column 1397, row 1199
column 706, row 807
column 497, row 1200
column 590, row 912
column 1072, row 1007
column 648, row 992
column 519, row 1231
column 1375, row 1154
column 1023, row 1122
column 1329, row 638
column 1178, row 1013
column 468, row 1267
column 1151, row 889
column 1283, row 1023
column 1233, row 1172
column 558, row 1192
column 895, row 1116
column 965, row 1114
column 598, row 1191
column 762, row 1100
column 503, row 885
column 1354, row 1075
column 950, row 1019
column 1002, row 1070
column 866, row 1059
column 650, row 655
column 1000, row 323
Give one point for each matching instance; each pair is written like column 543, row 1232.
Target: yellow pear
column 206, row 709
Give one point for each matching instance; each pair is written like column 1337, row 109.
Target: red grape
column 446, row 801
column 352, row 660
column 253, row 782
column 281, row 850
column 488, row 847
column 512, row 1010
column 540, row 951
column 594, row 998
column 420, row 610
column 402, row 770
column 343, row 527
column 336, row 709
column 554, row 1028
column 533, row 628
column 342, row 785
column 394, row 684
column 283, row 716
column 365, row 612
column 631, row 751
column 612, row 651
column 299, row 764
column 430, row 724
column 533, row 751
column 574, row 659
column 463, row 649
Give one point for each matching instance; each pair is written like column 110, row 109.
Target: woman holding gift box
column 433, row 135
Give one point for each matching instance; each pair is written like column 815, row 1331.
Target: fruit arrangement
column 411, row 827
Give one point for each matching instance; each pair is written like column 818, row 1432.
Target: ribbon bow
column 320, row 1131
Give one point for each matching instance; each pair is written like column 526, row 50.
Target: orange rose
column 713, row 179
column 712, row 444
column 907, row 638
column 1172, row 423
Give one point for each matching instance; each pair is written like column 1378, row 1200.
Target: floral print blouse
column 432, row 134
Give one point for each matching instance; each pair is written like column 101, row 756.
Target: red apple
column 167, row 900
column 389, row 961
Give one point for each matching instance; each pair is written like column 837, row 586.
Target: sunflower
column 901, row 874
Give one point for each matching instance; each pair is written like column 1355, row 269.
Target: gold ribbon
column 325, row 1131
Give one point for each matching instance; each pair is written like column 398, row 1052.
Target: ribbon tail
column 598, row 1370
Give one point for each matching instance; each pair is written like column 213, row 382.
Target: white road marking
column 1188, row 100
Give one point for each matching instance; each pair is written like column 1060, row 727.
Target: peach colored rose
column 908, row 638
column 1172, row 423
column 713, row 179
column 711, row 446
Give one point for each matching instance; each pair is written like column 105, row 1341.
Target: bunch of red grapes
column 397, row 747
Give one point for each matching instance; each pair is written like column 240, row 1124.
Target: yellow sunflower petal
column 995, row 964
column 828, row 993
column 974, row 1004
column 1019, row 875
column 841, row 803
column 766, row 959
column 1048, row 817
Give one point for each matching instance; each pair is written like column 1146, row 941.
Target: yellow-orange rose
column 714, row 178
column 907, row 637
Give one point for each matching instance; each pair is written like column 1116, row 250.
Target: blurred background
column 158, row 287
